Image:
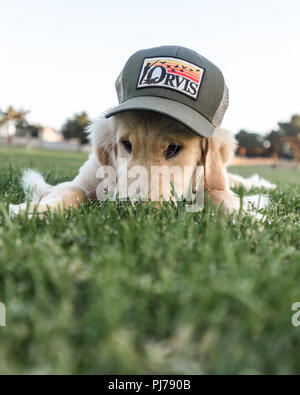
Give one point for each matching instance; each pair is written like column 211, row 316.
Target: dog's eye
column 172, row 150
column 127, row 145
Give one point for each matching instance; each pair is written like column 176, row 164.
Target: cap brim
column 178, row 111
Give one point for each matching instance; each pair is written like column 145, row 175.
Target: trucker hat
column 177, row 82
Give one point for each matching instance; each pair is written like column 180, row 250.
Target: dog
column 149, row 140
column 171, row 105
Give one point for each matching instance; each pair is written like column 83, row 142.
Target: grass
column 281, row 176
column 110, row 289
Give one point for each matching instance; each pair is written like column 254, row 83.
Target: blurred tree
column 2, row 117
column 291, row 128
column 250, row 144
column 19, row 117
column 74, row 128
column 17, row 120
column 285, row 142
column 28, row 130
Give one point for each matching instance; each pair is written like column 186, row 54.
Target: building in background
column 8, row 129
column 51, row 135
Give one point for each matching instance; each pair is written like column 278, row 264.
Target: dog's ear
column 219, row 152
column 102, row 138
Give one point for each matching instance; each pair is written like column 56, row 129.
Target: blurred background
column 59, row 62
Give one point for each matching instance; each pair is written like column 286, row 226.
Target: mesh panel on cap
column 119, row 88
column 219, row 115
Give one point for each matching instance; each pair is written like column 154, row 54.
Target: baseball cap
column 177, row 82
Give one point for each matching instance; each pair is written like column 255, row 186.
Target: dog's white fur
column 149, row 132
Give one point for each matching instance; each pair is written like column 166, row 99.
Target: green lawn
column 110, row 289
column 283, row 177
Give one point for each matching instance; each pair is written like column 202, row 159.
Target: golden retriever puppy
column 144, row 146
column 162, row 142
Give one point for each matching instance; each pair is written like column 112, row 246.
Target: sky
column 62, row 57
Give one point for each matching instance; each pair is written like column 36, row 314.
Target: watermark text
column 2, row 314
column 296, row 316
column 154, row 183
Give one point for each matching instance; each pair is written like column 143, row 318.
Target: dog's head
column 153, row 155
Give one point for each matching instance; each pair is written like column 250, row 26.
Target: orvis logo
column 171, row 73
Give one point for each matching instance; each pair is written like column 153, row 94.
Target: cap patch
column 171, row 73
